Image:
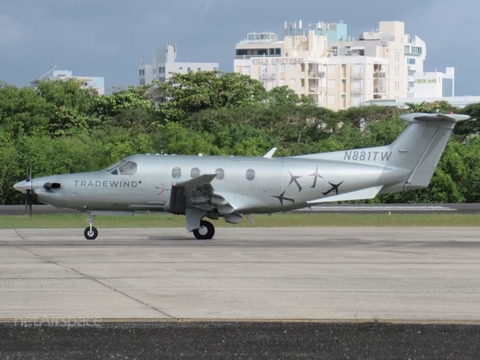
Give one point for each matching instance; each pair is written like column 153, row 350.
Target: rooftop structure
column 165, row 64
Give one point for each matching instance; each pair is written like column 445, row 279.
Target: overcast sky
column 108, row 38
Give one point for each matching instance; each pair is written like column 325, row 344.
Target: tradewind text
column 106, row 183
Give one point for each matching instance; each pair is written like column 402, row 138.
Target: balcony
column 379, row 74
column 357, row 75
column 357, row 91
column 267, row 76
column 317, row 89
column 379, row 90
column 256, row 56
column 316, row 74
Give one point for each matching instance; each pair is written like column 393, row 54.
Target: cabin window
column 176, row 173
column 250, row 174
column 129, row 168
column 195, row 172
column 220, row 174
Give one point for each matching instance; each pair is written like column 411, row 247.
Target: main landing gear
column 205, row 232
column 90, row 232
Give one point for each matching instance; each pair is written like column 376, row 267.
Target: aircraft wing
column 199, row 194
column 201, row 183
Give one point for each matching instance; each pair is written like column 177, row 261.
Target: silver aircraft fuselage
column 250, row 185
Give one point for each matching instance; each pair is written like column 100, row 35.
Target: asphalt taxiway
column 320, row 274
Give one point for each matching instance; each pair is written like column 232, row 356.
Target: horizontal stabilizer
column 434, row 118
column 363, row 194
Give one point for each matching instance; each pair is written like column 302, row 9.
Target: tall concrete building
column 165, row 64
column 337, row 71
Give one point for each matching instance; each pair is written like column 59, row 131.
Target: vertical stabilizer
column 422, row 144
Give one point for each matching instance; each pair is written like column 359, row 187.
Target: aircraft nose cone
column 23, row 186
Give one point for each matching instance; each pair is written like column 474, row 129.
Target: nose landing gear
column 90, row 232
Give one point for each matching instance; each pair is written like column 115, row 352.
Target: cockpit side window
column 114, row 166
column 129, row 168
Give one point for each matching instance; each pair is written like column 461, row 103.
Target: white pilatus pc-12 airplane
column 213, row 187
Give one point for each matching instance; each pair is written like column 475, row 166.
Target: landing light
column 50, row 186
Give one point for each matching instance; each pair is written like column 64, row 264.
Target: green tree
column 185, row 94
column 383, row 132
column 71, row 106
column 22, row 111
column 10, row 169
column 173, row 138
column 283, row 95
column 471, row 126
column 123, row 99
column 441, row 106
column 361, row 116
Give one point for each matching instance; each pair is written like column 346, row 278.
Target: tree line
column 59, row 127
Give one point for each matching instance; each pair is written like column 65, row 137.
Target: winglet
column 270, row 153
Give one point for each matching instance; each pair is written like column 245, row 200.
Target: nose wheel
column 205, row 232
column 91, row 231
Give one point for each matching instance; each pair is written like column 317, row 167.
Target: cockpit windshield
column 123, row 168
column 114, row 166
column 129, row 168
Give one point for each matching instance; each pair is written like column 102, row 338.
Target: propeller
column 29, row 192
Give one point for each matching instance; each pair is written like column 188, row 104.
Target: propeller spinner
column 26, row 187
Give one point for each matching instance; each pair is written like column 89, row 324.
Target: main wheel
column 90, row 234
column 206, row 231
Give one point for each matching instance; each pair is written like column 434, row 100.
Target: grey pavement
column 398, row 274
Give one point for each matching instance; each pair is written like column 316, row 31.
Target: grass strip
column 276, row 220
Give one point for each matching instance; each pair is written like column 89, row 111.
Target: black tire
column 90, row 235
column 206, row 231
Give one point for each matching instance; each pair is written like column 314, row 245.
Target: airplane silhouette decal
column 282, row 197
column 317, row 175
column 293, row 179
column 334, row 188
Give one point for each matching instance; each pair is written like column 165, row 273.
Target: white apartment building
column 435, row 84
column 97, row 83
column 431, row 87
column 165, row 64
column 319, row 60
column 415, row 54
